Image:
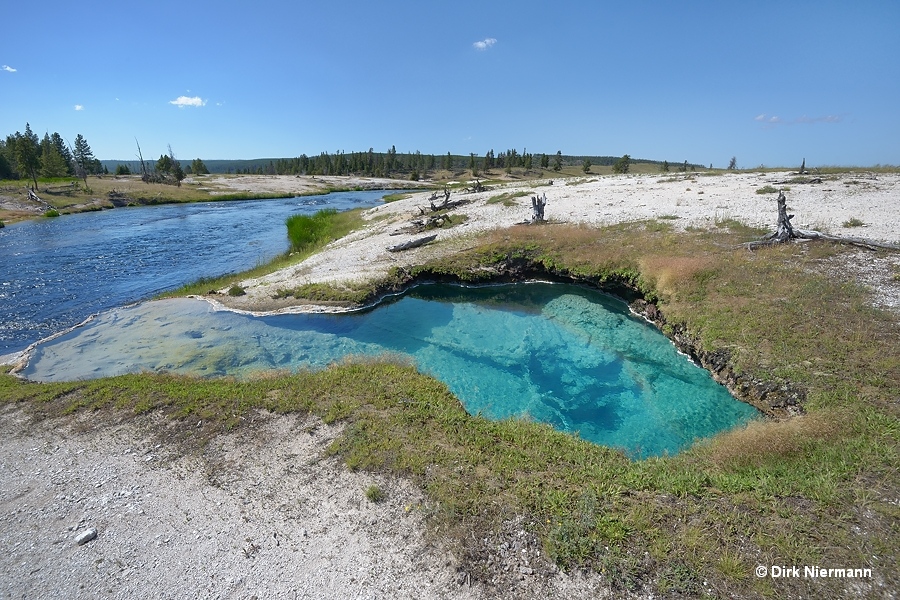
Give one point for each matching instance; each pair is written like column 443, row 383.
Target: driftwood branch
column 785, row 232
column 412, row 243
column 478, row 187
column 445, row 205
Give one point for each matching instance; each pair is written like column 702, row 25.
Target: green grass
column 817, row 489
column 395, row 197
column 506, row 198
column 853, row 222
column 309, row 231
column 767, row 189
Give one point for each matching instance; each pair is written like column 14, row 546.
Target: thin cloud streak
column 8, row 69
column 771, row 121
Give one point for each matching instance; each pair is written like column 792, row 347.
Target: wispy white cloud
column 182, row 101
column 8, row 69
column 825, row 119
column 79, row 107
column 771, row 121
column 484, row 44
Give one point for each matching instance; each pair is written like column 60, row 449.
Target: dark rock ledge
column 773, row 398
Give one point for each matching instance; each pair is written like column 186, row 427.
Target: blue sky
column 767, row 82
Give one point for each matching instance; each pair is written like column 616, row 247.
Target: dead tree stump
column 785, row 232
column 537, row 206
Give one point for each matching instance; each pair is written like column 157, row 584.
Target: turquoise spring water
column 559, row 354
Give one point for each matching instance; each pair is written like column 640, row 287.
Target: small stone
column 526, row 570
column 85, row 536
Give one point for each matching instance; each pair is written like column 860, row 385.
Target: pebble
column 85, row 536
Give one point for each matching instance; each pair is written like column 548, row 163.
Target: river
column 56, row 272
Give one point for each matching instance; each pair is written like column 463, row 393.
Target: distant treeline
column 412, row 165
column 27, row 156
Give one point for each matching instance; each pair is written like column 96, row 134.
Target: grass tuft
column 375, row 494
column 767, row 189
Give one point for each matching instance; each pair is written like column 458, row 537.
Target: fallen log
column 785, row 232
column 412, row 243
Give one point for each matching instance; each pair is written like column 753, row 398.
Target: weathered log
column 478, row 187
column 412, row 243
column 443, row 204
column 785, row 232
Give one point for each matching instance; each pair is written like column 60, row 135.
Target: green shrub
column 236, row 290
column 52, row 212
column 767, row 189
column 854, row 222
column 374, row 493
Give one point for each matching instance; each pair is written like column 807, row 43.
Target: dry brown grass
column 668, row 272
column 764, row 441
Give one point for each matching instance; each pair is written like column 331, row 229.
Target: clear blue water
column 559, row 354
column 54, row 273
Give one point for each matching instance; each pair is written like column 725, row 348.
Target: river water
column 54, row 273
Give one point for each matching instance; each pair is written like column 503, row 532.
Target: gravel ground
column 261, row 513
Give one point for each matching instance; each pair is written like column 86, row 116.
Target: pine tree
column 64, row 151
column 27, row 154
column 198, row 167
column 623, row 165
column 84, row 158
column 164, row 164
column 52, row 163
column 557, row 162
